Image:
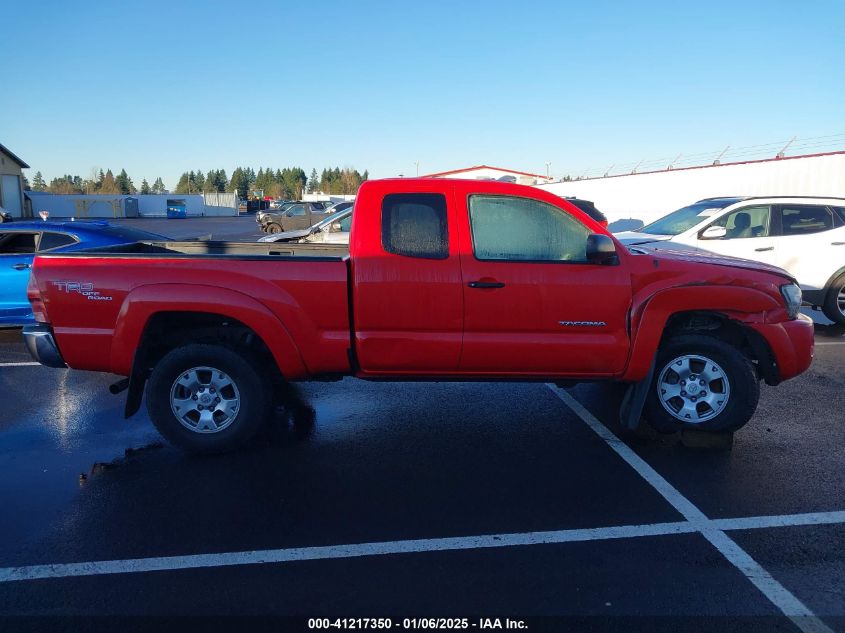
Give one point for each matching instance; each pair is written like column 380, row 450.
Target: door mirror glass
column 601, row 250
column 336, row 228
column 713, row 233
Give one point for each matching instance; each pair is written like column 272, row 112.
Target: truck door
column 407, row 298
column 532, row 304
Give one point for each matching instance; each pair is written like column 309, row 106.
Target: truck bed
column 101, row 298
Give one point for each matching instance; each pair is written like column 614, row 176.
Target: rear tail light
column 38, row 309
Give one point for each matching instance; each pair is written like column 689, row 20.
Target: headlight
column 792, row 295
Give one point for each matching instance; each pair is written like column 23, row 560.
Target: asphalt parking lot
column 424, row 500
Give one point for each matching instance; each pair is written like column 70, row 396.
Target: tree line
column 289, row 183
column 100, row 182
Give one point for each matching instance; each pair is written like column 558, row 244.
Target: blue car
column 20, row 241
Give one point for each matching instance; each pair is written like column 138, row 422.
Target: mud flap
column 631, row 409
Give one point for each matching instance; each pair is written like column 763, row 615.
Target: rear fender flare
column 145, row 301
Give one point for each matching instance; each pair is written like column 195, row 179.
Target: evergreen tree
column 145, row 187
column 124, row 183
column 158, row 186
column 109, row 185
column 38, row 183
column 313, row 183
column 26, row 186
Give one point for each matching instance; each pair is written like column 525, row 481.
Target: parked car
column 442, row 279
column 5, row 216
column 19, row 243
column 589, row 208
column 805, row 236
column 333, row 230
column 298, row 215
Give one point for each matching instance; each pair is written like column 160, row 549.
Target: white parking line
column 822, row 343
column 27, row 364
column 357, row 550
column 779, row 595
column 227, row 559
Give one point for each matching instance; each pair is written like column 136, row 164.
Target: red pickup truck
column 442, row 280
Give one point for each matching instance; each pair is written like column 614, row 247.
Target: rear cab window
column 415, row 225
column 50, row 240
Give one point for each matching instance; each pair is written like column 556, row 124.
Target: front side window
column 522, row 229
column 414, row 225
column 297, row 210
column 805, row 219
column 746, row 222
column 346, row 224
column 14, row 243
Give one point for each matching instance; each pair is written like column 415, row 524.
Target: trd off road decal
column 83, row 288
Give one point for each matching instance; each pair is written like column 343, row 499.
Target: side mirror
column 713, row 233
column 601, row 250
column 336, row 228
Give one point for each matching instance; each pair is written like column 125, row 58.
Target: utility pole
column 418, row 168
column 548, row 165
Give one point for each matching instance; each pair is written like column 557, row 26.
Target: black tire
column 251, row 395
column 743, row 386
column 831, row 307
column 273, row 227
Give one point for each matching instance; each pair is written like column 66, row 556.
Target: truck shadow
column 830, row 330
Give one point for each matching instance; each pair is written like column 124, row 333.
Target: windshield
column 684, row 219
column 334, row 217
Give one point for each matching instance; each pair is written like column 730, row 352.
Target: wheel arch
column 722, row 311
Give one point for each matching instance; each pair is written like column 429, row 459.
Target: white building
column 649, row 195
column 82, row 206
column 486, row 172
column 11, row 182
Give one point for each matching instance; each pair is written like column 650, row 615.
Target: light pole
column 418, row 168
column 548, row 165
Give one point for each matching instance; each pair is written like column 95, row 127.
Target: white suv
column 804, row 236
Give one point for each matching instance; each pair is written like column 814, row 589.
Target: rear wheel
column 834, row 303
column 272, row 227
column 701, row 382
column 206, row 398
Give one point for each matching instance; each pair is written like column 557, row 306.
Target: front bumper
column 792, row 344
column 42, row 345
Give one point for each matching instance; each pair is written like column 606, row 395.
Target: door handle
column 486, row 284
column 766, row 248
column 837, row 243
column 21, row 266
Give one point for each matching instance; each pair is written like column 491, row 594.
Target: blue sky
column 158, row 88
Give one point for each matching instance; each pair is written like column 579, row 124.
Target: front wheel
column 206, row 398
column 834, row 303
column 273, row 227
column 701, row 382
